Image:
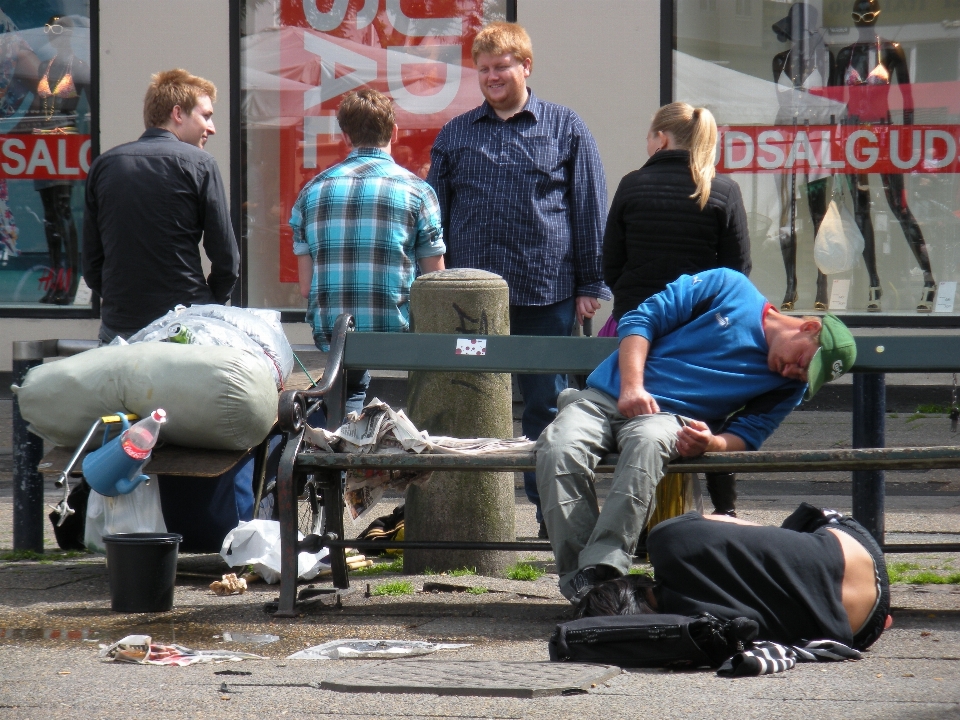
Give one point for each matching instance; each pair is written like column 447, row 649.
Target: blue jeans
column 540, row 391
column 357, row 383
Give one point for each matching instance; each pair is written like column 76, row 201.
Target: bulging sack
column 839, row 241
column 219, row 398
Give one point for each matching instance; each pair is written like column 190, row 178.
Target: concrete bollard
column 461, row 505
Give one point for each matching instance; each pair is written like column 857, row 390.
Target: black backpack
column 651, row 640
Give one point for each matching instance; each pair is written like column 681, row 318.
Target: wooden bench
column 933, row 352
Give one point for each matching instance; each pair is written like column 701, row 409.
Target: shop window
column 843, row 104
column 298, row 58
column 45, row 152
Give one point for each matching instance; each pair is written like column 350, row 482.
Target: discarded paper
column 381, row 429
column 366, row 649
column 141, row 650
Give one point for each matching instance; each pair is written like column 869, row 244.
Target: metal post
column 27, row 451
column 869, row 414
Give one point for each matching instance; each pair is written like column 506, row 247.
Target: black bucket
column 142, row 568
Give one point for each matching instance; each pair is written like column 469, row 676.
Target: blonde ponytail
column 694, row 130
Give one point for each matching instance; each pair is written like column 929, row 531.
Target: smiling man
column 706, row 365
column 149, row 203
column 522, row 194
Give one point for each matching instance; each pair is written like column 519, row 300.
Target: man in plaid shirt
column 359, row 230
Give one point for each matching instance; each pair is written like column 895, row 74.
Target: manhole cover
column 466, row 677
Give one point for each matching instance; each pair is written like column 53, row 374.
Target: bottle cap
column 160, row 415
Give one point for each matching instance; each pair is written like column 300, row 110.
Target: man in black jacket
column 149, row 202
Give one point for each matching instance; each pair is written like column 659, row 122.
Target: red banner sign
column 415, row 51
column 44, row 157
column 886, row 149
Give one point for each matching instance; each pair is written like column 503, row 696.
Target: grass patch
column 395, row 565
column 477, row 590
column 909, row 573
column 398, row 587
column 462, row 572
column 524, row 571
column 640, row 571
column 917, row 416
column 933, row 409
column 893, row 416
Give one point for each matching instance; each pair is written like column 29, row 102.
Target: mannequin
column 17, row 65
column 804, row 66
column 875, row 62
column 61, row 79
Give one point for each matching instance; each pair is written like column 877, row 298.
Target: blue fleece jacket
column 708, row 356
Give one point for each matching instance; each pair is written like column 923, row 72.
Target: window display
column 833, row 108
column 298, row 58
column 45, row 152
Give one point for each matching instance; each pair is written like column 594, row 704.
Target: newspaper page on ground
column 381, row 429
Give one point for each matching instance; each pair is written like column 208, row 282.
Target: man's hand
column 695, row 438
column 635, row 401
column 586, row 308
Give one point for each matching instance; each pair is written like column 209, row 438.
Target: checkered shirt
column 365, row 222
column 525, row 198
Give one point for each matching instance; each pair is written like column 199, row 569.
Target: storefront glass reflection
column 298, row 58
column 44, row 151
column 829, row 108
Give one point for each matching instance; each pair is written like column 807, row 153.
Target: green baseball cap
column 837, row 353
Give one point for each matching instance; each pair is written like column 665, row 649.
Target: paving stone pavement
column 55, row 613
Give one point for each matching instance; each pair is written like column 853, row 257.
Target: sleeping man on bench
column 706, row 365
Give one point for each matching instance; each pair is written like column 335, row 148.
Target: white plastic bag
column 137, row 511
column 839, row 241
column 257, row 543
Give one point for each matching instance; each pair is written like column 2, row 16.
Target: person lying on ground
column 707, row 364
column 820, row 576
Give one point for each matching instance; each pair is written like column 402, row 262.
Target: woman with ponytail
column 675, row 217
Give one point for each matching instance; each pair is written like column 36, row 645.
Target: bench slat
column 504, row 353
column 910, row 458
column 580, row 355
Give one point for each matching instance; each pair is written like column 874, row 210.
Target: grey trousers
column 587, row 427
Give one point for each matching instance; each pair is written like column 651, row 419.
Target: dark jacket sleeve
column 614, row 242
column 92, row 243
column 733, row 249
column 219, row 242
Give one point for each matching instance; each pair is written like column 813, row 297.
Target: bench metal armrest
column 292, row 408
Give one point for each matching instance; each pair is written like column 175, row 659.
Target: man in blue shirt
column 359, row 230
column 523, row 195
column 706, row 365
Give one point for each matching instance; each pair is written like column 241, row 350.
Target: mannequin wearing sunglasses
column 61, row 80
column 874, row 62
column 803, row 67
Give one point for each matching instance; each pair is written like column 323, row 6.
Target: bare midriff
column 858, row 592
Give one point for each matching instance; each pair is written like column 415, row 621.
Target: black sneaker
column 586, row 578
column 542, row 534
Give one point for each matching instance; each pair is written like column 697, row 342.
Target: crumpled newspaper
column 141, row 650
column 381, row 429
column 365, row 649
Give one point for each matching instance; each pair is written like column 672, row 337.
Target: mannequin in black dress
column 875, row 62
column 62, row 79
column 806, row 65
